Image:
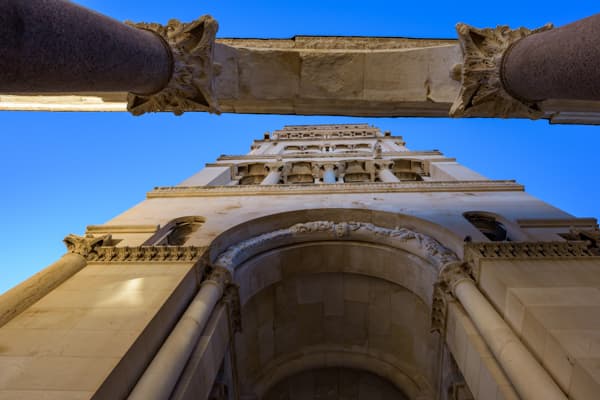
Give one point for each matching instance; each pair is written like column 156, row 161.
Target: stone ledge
column 341, row 188
column 366, row 154
column 476, row 253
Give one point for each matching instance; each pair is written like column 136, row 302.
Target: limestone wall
column 94, row 333
column 554, row 306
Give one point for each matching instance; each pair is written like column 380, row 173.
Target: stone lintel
column 315, row 75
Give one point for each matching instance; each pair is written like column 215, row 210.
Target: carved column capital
column 191, row 87
column 218, row 276
column 450, row 276
column 317, row 171
column 482, row 91
column 274, row 166
column 384, row 164
column 377, row 149
column 86, row 245
column 453, row 273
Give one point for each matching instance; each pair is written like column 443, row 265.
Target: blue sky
column 63, row 171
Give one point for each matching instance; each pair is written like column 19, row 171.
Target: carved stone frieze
column 191, row 87
column 482, row 91
column 439, row 307
column 590, row 236
column 234, row 307
column 147, row 254
column 86, row 246
column 476, row 252
column 426, row 246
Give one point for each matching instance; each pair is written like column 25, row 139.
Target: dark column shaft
column 57, row 46
column 562, row 63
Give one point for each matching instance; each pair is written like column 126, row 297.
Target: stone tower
column 330, row 262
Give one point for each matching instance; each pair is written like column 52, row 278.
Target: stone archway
column 343, row 295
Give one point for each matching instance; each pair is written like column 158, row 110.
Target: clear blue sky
column 63, row 171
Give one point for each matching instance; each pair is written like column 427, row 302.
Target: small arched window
column 489, row 226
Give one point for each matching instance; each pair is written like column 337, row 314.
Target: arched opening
column 326, row 296
column 334, row 383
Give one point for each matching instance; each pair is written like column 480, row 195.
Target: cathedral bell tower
column 330, row 262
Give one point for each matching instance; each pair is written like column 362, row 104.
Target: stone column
column 529, row 378
column 316, row 172
column 341, row 171
column 559, row 63
column 274, row 174
column 384, row 172
column 161, row 376
column 19, row 298
column 329, row 174
column 58, row 46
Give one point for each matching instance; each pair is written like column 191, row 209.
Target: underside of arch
column 347, row 295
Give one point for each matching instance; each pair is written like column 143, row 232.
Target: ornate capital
column 191, row 87
column 85, row 246
column 276, row 166
column 450, row 275
column 219, row 276
column 378, row 149
column 453, row 273
column 384, row 164
column 482, row 91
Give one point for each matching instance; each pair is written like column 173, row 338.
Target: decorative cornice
column 354, row 154
column 482, row 91
column 475, row 253
column 403, row 238
column 557, row 222
column 146, row 254
column 96, row 229
column 334, row 188
column 191, row 87
column 86, row 246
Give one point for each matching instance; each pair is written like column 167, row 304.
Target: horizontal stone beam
column 358, row 76
column 305, row 75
